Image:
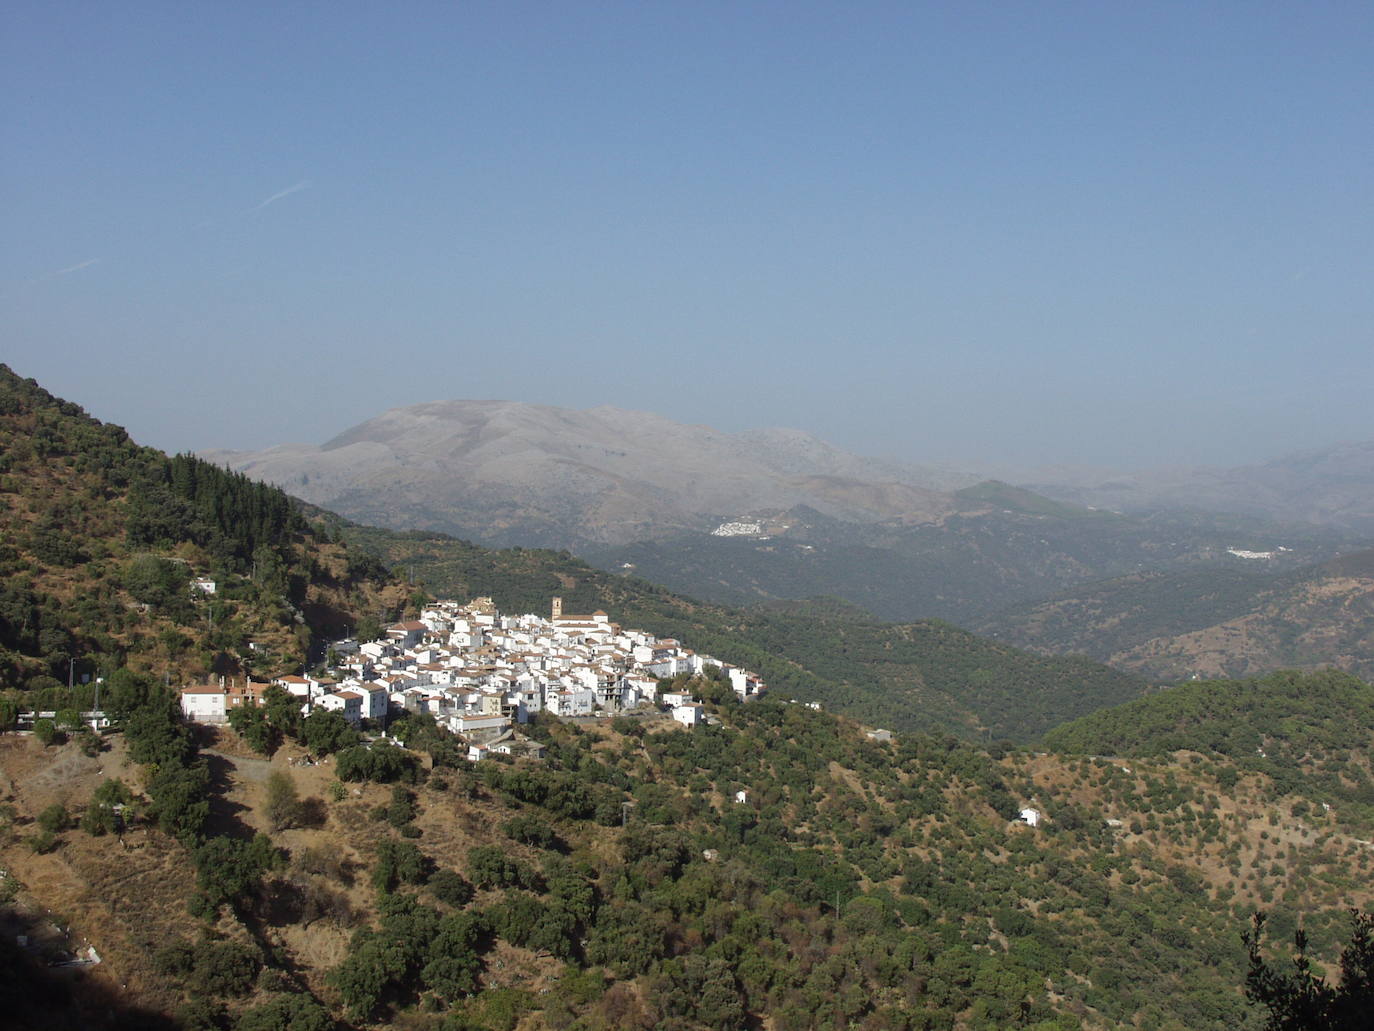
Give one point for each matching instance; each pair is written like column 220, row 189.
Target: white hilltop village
column 481, row 674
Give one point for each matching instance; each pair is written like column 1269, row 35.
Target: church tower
column 558, row 608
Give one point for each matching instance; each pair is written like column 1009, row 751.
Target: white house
column 1031, row 817
column 378, row 698
column 301, row 687
column 689, row 715
column 572, row 702
column 204, row 703
column 348, row 702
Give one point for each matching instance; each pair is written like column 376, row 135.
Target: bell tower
column 557, row 608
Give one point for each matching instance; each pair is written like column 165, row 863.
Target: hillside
column 926, row 675
column 1225, row 622
column 775, row 868
column 1312, row 733
column 618, row 884
column 100, row 540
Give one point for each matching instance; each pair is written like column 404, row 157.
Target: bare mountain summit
column 503, row 472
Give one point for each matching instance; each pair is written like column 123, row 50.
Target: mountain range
column 503, row 473
column 1332, row 486
column 778, row 515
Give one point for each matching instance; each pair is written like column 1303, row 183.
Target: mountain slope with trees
column 100, row 540
column 1221, row 622
column 776, row 867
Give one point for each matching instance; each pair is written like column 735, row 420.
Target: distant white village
column 481, row 674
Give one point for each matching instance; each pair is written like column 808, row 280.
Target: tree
column 47, row 733
column 398, row 862
column 54, row 818
column 283, row 709
column 250, row 723
column 1302, row 1001
column 283, row 805
column 285, row 1013
column 9, row 714
column 323, row 732
column 103, row 815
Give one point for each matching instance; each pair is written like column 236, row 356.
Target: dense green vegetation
column 100, row 538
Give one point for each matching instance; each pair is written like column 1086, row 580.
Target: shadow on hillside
column 224, row 812
column 36, row 996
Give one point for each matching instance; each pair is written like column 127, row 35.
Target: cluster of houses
column 481, row 674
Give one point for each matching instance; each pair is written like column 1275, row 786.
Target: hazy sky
column 1008, row 232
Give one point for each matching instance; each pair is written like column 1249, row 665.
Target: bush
column 222, row 968
column 47, row 733
column 324, row 732
column 380, row 762
column 398, row 862
column 531, row 830
column 42, row 842
column 54, row 819
column 285, row 1013
column 402, row 809
column 451, row 887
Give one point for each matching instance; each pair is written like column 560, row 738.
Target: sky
column 976, row 233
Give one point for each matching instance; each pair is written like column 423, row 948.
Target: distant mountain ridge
column 504, row 472
column 1331, row 486
column 633, row 491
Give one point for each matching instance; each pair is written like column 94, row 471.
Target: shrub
column 42, row 842
column 47, row 733
column 54, row 819
column 285, row 1013
column 451, row 887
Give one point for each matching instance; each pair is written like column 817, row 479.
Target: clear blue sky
column 1010, row 232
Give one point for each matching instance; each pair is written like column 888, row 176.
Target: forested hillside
column 100, row 540
column 1309, row 732
column 927, row 675
column 775, row 869
column 1213, row 622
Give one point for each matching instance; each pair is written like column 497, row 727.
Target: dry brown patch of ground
column 124, row 895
